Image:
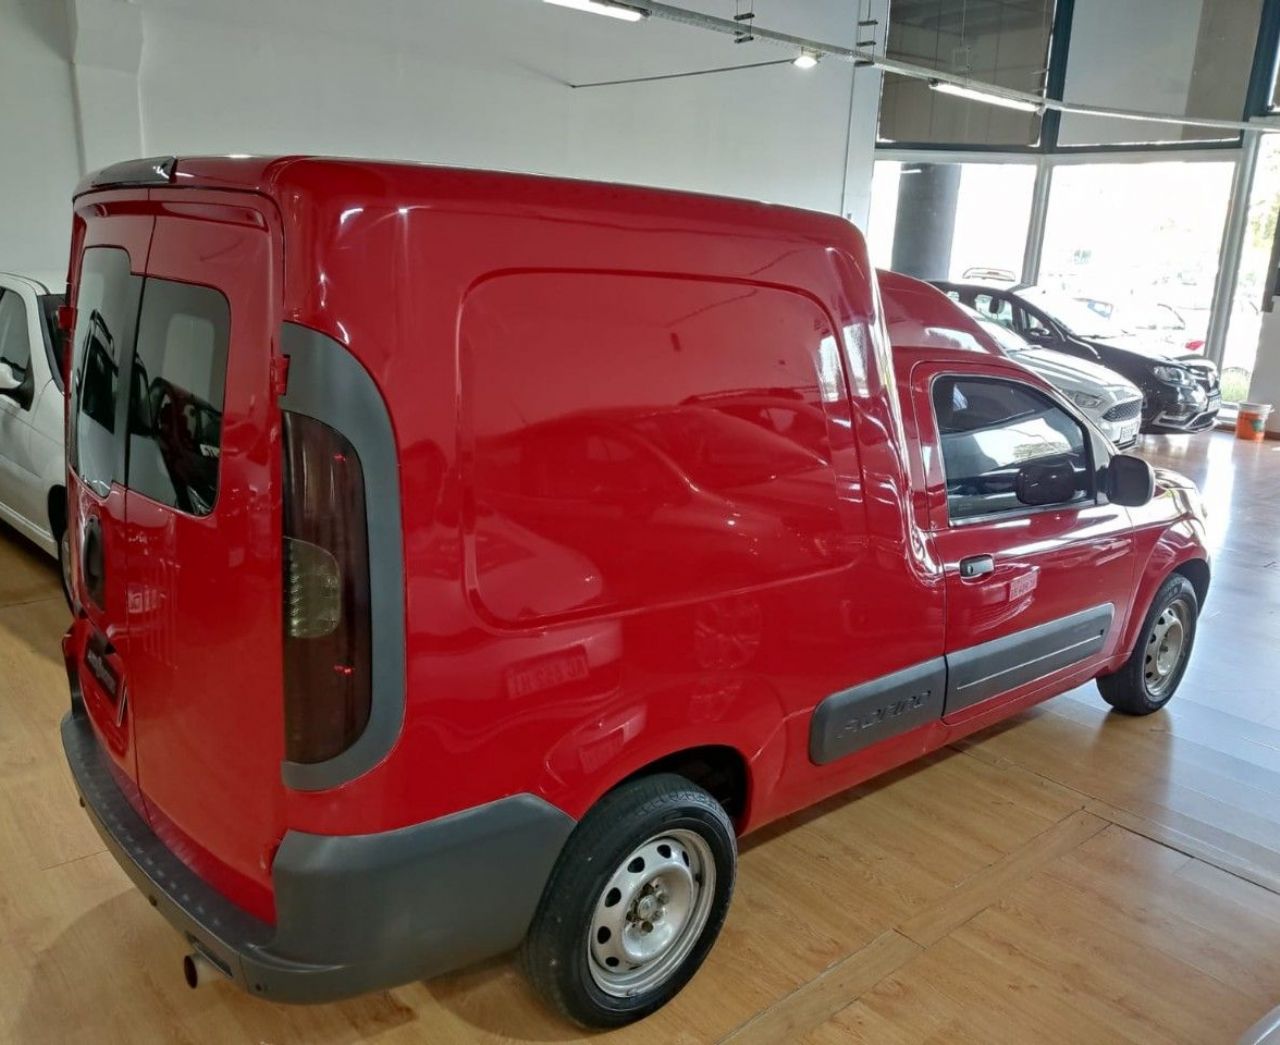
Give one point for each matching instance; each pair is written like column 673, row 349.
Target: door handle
column 977, row 566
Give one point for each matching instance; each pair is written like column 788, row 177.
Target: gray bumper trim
column 354, row 913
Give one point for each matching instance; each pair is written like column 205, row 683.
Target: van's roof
column 406, row 183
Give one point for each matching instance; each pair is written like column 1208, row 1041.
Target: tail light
column 1195, row 346
column 327, row 663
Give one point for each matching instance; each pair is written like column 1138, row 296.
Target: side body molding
column 853, row 719
column 987, row 670
column 858, row 717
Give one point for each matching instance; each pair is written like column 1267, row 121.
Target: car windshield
column 1075, row 315
column 1008, row 340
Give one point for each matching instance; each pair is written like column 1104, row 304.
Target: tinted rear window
column 177, row 384
column 106, row 311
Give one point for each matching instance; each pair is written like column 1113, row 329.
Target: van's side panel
column 565, row 702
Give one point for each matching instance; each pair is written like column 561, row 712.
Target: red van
column 462, row 561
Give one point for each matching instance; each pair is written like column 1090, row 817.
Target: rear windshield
column 166, row 344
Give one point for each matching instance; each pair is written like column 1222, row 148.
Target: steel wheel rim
column 1166, row 647
column 651, row 913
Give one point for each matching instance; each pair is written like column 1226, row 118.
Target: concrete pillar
column 106, row 54
column 927, row 197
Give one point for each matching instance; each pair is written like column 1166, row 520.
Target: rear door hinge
column 279, row 375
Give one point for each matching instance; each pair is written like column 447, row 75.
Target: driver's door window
column 991, row 430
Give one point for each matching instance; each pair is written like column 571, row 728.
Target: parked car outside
column 491, row 614
column 32, row 462
column 1107, row 399
column 1181, row 391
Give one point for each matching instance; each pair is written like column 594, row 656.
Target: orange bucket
column 1251, row 422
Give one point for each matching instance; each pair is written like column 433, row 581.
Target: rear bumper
column 354, row 913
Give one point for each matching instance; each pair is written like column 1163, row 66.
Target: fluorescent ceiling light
column 602, row 7
column 943, row 87
column 805, row 60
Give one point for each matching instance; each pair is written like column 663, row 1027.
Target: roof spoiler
column 156, row 170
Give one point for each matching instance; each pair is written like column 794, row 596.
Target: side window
column 990, row 430
column 106, row 310
column 175, row 402
column 15, row 341
column 996, row 308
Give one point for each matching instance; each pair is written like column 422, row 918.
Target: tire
column 632, row 882
column 1151, row 675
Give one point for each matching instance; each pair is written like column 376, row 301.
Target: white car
column 33, row 495
column 1110, row 401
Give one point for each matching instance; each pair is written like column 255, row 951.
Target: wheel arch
column 56, row 509
column 719, row 769
column 1197, row 572
column 1178, row 551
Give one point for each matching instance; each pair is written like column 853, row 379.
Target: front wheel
column 1151, row 675
column 634, row 903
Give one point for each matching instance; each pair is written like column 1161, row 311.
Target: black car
column 1180, row 393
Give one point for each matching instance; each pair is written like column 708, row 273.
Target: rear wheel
column 634, row 904
column 1151, row 675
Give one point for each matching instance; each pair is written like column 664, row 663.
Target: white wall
column 38, row 157
column 476, row 83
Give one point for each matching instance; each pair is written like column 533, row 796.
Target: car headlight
column 1086, row 400
column 1173, row 375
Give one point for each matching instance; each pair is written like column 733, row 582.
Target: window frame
column 1092, row 496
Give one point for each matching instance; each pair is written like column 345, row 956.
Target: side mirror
column 1129, row 481
column 10, row 381
column 1040, row 484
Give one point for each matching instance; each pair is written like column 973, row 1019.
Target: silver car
column 1110, row 401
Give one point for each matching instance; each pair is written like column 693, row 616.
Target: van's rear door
column 203, row 523
column 116, row 234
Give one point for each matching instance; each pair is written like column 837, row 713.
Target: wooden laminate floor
column 1068, row 876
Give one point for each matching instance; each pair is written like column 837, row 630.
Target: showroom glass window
column 176, row 393
column 957, row 221
column 15, row 342
column 1187, row 59
column 990, row 429
column 106, row 311
column 1003, row 43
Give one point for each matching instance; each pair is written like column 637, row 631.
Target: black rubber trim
column 995, row 667
column 327, row 383
column 863, row 715
column 354, row 913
